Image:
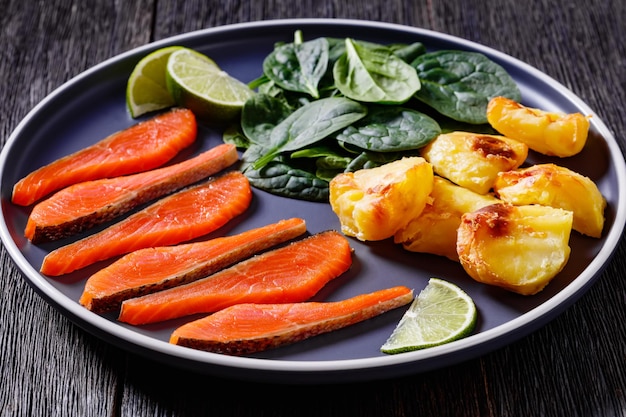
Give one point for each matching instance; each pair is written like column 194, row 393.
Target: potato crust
column 556, row 186
column 518, row 248
column 434, row 231
column 473, row 160
column 372, row 204
column 549, row 133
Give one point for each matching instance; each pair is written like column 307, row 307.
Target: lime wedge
column 198, row 84
column 441, row 313
column 146, row 90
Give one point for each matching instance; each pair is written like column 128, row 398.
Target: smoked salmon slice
column 182, row 216
column 292, row 273
column 87, row 204
column 249, row 328
column 143, row 146
column 155, row 269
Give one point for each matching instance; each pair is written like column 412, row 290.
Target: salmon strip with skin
column 293, row 273
column 87, row 204
column 155, row 269
column 183, row 216
column 141, row 147
column 249, row 328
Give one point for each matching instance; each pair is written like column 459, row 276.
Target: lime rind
column 197, row 83
column 219, row 88
column 196, row 60
column 441, row 313
column 146, row 88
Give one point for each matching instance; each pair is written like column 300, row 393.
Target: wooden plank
column 48, row 365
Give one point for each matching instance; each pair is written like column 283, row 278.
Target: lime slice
column 146, row 90
column 441, row 313
column 198, row 84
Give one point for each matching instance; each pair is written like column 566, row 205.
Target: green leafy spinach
column 373, row 73
column 391, row 129
column 459, row 84
column 332, row 105
column 310, row 124
column 298, row 66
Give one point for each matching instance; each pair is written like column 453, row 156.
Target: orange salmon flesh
column 182, row 216
column 87, row 204
column 141, row 147
column 293, row 273
column 250, row 328
column 154, row 269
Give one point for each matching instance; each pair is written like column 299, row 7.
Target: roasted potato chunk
column 519, row 248
column 434, row 231
column 556, row 186
column 372, row 204
column 473, row 160
column 553, row 134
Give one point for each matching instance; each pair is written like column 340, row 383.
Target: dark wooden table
column 574, row 366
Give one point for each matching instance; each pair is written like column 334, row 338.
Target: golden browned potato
column 372, row 204
column 556, row 186
column 434, row 231
column 473, row 160
column 519, row 248
column 548, row 133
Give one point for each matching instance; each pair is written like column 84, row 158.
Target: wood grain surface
column 574, row 366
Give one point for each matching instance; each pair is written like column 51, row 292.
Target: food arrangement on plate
column 427, row 149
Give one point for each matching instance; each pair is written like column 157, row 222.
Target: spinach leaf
column 281, row 179
column 256, row 83
column 334, row 162
column 328, row 167
column 249, row 157
column 260, row 114
column 328, row 161
column 236, row 137
column 449, row 125
column 372, row 73
column 408, row 52
column 367, row 160
column 459, row 84
column 391, row 129
column 310, row 124
column 298, row 66
column 315, row 152
column 337, row 47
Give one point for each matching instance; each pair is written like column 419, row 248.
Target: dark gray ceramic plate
column 92, row 105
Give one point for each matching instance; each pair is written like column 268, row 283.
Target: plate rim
column 316, row 371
